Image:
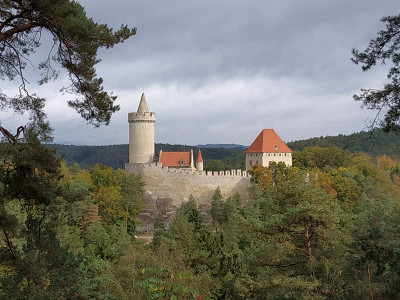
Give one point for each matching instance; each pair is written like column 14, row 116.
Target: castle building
column 266, row 148
column 181, row 160
column 174, row 176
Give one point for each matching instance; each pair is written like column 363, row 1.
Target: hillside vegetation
column 374, row 143
column 116, row 156
column 326, row 228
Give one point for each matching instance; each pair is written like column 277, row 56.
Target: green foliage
column 321, row 158
column 166, row 285
column 76, row 40
column 327, row 229
column 59, row 237
column 383, row 48
column 38, row 265
column 214, row 165
column 192, row 214
column 375, row 143
column 217, row 208
column 297, row 240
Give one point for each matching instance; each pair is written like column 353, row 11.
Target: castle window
column 256, row 162
column 251, row 162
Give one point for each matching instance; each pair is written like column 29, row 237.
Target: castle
column 174, row 176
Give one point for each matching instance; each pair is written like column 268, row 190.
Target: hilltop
column 374, row 143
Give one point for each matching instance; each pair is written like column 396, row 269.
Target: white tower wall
column 141, row 134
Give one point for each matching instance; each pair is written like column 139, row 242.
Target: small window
column 256, row 162
column 251, row 162
column 182, row 162
column 276, row 148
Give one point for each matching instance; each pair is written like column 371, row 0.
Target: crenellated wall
column 166, row 188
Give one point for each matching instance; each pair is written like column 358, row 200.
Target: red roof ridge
column 268, row 141
column 173, row 159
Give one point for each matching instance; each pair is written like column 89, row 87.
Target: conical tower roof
column 142, row 105
column 199, row 157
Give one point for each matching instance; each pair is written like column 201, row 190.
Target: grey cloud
column 212, row 67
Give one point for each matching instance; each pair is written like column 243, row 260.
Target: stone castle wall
column 167, row 188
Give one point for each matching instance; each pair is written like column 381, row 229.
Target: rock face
column 154, row 207
column 167, row 188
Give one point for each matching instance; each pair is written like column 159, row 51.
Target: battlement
column 173, row 185
column 135, row 117
column 157, row 166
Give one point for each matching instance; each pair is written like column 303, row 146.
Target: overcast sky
column 220, row 71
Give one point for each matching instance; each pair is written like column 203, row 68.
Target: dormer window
column 276, row 148
column 182, row 162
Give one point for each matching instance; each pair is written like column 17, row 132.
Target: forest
column 326, row 228
column 374, row 143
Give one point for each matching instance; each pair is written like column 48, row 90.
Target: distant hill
column 374, row 143
column 227, row 146
column 116, row 156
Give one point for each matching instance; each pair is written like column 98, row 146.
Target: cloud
column 221, row 71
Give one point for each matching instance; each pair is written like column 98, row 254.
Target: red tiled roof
column 199, row 157
column 268, row 141
column 173, row 159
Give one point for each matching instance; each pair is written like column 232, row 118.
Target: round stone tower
column 141, row 134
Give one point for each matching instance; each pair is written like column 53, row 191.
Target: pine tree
column 76, row 40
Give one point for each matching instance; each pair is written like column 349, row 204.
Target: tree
column 261, row 176
column 384, row 47
column 214, row 165
column 191, row 212
column 217, row 209
column 30, row 202
column 296, row 242
column 76, row 40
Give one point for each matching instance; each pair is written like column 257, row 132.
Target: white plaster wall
column 141, row 137
column 264, row 159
